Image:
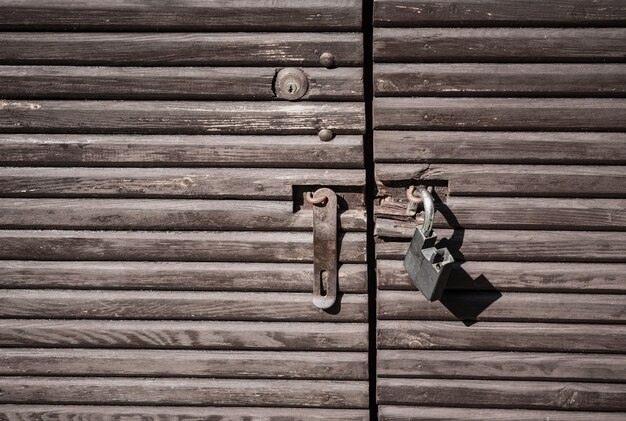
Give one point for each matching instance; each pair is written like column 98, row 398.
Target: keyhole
column 323, row 283
column 292, row 88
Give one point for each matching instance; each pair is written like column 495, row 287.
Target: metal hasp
column 325, row 263
column 428, row 267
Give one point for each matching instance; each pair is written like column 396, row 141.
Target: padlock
column 428, row 266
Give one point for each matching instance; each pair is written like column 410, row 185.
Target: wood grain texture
column 517, row 276
column 189, row 363
column 119, row 214
column 496, row 306
column 499, row 44
column 503, row 394
column 196, row 276
column 172, row 246
column 321, row 393
column 500, row 113
column 514, row 245
column 548, row 366
column 501, row 336
column 168, row 413
column 180, row 117
column 401, row 13
column 197, row 335
column 504, row 79
column 344, row 151
column 208, row 183
column 185, row 15
column 232, row 83
column 509, row 180
column 179, row 49
column 181, row 305
column 500, row 147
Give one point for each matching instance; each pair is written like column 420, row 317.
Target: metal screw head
column 291, row 84
column 326, row 135
column 327, row 60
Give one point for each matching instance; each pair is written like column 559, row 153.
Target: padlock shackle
column 429, row 210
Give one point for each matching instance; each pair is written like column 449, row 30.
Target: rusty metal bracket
column 324, row 247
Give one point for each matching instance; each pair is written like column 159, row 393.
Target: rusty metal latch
column 325, row 257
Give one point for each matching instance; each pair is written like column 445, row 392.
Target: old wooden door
column 156, row 246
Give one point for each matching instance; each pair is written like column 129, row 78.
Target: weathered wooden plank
column 209, row 183
column 221, row 215
column 185, row 15
column 510, row 180
column 319, row 393
column 500, row 147
column 496, row 306
column 232, row 83
column 180, row 305
column 164, row 413
column 195, row 335
column 503, row 394
column 500, row 113
column 189, row 363
column 513, row 245
column 501, row 336
column 400, row 13
column 549, row 366
column 517, row 276
column 179, row 49
column 172, row 245
column 499, row 44
column 180, row 117
column 195, row 276
column 504, row 79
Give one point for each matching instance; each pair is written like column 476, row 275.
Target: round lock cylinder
column 291, row 84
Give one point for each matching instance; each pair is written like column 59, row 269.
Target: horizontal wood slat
column 499, row 365
column 170, row 305
column 179, row 49
column 423, row 413
column 172, row 246
column 504, row 79
column 500, row 147
column 513, row 245
column 170, row 413
column 500, row 113
column 198, row 276
column 495, row 306
column 233, row 83
column 501, row 336
column 511, row 180
column 180, row 117
column 497, row 13
column 499, row 44
column 196, row 335
column 120, row 214
column 517, row 276
column 503, row 394
column 321, row 393
column 185, row 15
column 217, row 183
column 158, row 363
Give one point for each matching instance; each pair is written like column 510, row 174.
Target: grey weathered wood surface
column 179, row 49
column 517, row 276
column 548, row 366
column 217, row 335
column 500, row 113
column 194, row 276
column 189, row 363
column 399, row 13
column 230, row 83
column 504, row 79
column 180, row 117
column 185, row 15
column 499, row 44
